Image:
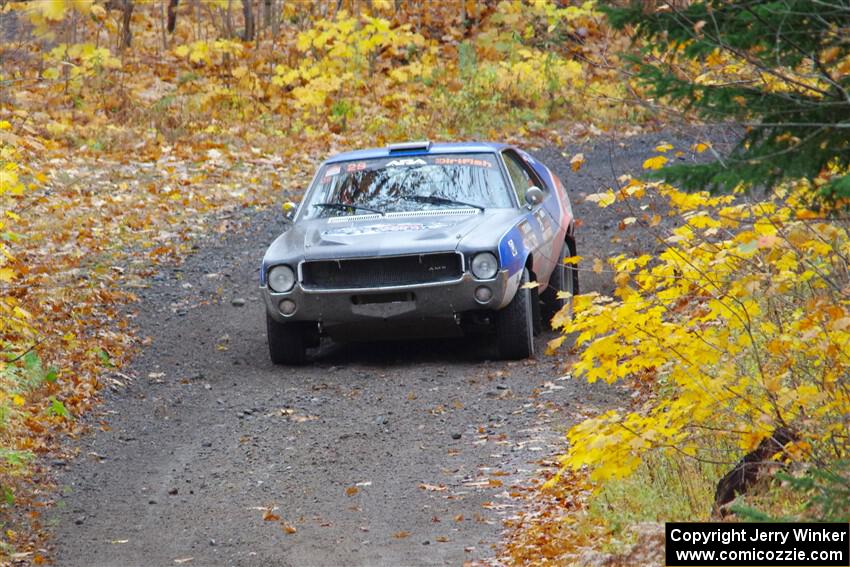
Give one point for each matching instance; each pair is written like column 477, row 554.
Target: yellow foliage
column 750, row 330
column 50, row 9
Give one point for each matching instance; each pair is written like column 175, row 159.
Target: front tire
column 515, row 325
column 286, row 342
column 564, row 278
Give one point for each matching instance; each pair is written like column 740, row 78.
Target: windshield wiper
column 440, row 200
column 344, row 207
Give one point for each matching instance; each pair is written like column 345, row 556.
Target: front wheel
column 287, row 343
column 515, row 324
column 564, row 278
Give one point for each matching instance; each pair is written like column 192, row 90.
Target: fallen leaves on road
column 270, row 516
column 576, row 162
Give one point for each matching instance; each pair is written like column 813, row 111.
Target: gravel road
column 372, row 454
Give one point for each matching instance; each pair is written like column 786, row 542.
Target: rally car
column 420, row 239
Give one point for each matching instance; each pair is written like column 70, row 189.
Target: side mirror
column 534, row 196
column 289, row 209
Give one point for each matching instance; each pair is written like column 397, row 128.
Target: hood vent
column 407, row 215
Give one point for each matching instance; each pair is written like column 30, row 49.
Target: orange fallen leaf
column 576, row 162
column 401, row 535
column 352, row 490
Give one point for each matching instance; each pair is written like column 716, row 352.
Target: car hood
column 393, row 234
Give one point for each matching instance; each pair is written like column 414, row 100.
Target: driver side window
column 520, row 176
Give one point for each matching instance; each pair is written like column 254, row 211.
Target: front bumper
column 408, row 303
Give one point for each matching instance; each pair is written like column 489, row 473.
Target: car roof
column 435, row 148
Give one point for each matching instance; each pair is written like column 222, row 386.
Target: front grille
column 382, row 272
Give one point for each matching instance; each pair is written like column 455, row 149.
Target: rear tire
column 515, row 325
column 564, row 278
column 286, row 342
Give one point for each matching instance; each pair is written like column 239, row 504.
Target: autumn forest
column 135, row 132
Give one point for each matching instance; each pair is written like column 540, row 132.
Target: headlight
column 485, row 266
column 281, row 279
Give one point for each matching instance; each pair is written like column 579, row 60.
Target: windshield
column 408, row 183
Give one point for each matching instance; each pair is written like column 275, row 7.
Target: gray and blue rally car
column 421, row 239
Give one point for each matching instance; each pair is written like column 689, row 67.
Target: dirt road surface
column 372, row 454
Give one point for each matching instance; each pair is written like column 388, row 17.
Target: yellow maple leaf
column 663, row 147
column 555, row 343
column 751, row 440
column 656, row 162
column 602, row 199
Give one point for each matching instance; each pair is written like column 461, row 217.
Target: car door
column 539, row 229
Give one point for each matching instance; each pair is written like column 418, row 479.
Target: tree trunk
column 172, row 15
column 126, row 32
column 747, row 470
column 267, row 13
column 227, row 19
column 248, row 13
column 275, row 15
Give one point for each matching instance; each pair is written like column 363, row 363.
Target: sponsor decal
column 545, row 223
column 406, row 162
column 382, row 228
column 462, row 161
column 511, row 252
column 358, row 166
column 529, row 237
column 330, row 173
